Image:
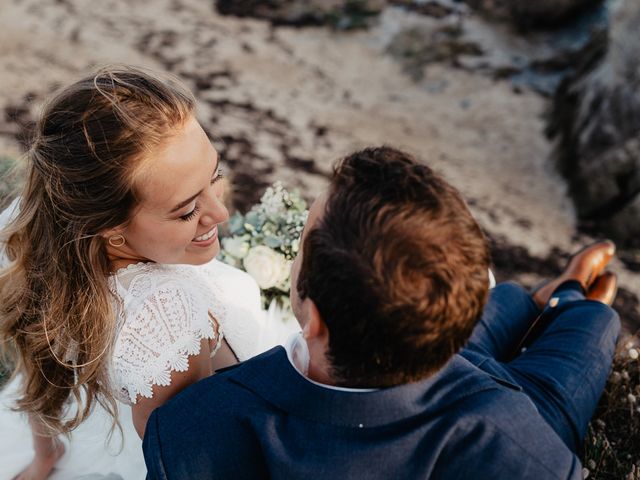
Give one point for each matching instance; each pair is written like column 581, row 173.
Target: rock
column 430, row 8
column 532, row 13
column 494, row 9
column 343, row 14
column 418, row 46
column 625, row 224
column 546, row 12
column 596, row 117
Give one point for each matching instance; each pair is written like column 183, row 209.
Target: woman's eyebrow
column 192, row 198
column 186, row 202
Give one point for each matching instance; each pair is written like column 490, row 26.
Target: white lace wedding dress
column 162, row 314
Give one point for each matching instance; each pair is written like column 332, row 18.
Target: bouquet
column 265, row 240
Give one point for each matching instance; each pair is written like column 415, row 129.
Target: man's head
column 392, row 274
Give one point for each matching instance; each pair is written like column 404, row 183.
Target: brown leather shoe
column 585, row 267
column 604, row 288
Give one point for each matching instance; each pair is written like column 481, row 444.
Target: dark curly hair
column 397, row 267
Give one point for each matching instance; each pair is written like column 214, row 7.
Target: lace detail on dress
column 163, row 314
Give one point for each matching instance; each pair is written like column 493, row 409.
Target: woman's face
column 181, row 206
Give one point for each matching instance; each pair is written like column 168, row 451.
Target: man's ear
column 315, row 328
column 316, row 336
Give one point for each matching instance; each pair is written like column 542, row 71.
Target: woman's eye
column 218, row 176
column 191, row 214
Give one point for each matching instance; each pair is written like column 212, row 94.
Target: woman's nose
column 214, row 211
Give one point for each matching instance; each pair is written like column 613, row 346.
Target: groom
column 393, row 375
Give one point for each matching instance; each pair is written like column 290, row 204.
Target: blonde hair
column 57, row 324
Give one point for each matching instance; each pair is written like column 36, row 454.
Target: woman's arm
column 199, row 368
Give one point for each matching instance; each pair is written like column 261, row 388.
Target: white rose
column 268, row 267
column 236, row 247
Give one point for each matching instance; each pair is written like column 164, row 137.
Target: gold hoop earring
column 117, row 241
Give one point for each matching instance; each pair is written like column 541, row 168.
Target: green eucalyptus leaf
column 236, row 224
column 273, row 242
column 254, row 219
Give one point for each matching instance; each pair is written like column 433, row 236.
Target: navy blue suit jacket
column 262, row 419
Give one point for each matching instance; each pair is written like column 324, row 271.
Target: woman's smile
column 208, row 238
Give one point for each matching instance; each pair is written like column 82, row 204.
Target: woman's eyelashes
column 191, row 215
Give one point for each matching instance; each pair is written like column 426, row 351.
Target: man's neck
column 318, row 372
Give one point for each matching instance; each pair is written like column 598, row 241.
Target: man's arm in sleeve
column 151, row 447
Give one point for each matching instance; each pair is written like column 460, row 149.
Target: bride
column 111, row 301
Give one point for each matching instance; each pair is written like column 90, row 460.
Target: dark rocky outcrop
column 345, row 14
column 341, row 14
column 546, row 13
column 432, row 8
column 419, row 46
column 532, row 13
column 596, row 119
column 495, row 9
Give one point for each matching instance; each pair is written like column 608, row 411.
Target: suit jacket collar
column 272, row 377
